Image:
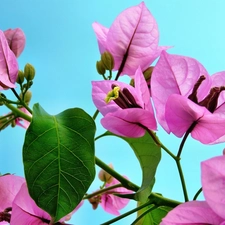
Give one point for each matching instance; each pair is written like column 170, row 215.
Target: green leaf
column 58, row 156
column 149, row 156
column 154, row 217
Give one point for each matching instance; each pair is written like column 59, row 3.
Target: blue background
column 62, row 46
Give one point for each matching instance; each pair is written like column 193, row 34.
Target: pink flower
column 127, row 110
column 186, row 98
column 211, row 211
column 112, row 203
column 22, row 122
column 16, row 40
column 25, row 210
column 9, row 187
column 8, row 65
column 132, row 39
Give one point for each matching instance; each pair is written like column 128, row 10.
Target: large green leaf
column 58, row 156
column 154, row 217
column 149, row 156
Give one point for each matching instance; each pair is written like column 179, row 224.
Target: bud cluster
column 106, row 63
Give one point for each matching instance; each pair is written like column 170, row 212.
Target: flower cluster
column 177, row 92
column 17, row 207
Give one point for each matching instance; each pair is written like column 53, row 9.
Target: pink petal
column 100, row 90
column 101, row 33
column 8, row 65
column 112, row 203
column 16, row 40
column 174, row 74
column 25, row 209
column 127, row 122
column 142, row 90
column 135, row 33
column 25, row 124
column 180, row 113
column 9, row 187
column 193, row 212
column 213, row 177
column 210, row 129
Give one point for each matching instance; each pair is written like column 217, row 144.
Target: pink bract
column 112, row 203
column 16, row 40
column 8, row 65
column 210, row 211
column 22, row 122
column 9, row 187
column 128, row 122
column 173, row 80
column 132, row 39
column 25, row 210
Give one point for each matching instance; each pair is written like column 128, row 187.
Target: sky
column 62, row 47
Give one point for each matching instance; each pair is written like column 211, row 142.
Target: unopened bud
column 29, row 72
column 3, row 122
column 100, row 67
column 107, row 60
column 148, row 73
column 104, row 176
column 27, row 97
column 20, row 77
column 95, row 201
column 132, row 82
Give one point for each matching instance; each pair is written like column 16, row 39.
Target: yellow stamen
column 113, row 94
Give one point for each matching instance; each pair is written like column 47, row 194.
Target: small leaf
column 58, row 156
column 149, row 155
column 154, row 217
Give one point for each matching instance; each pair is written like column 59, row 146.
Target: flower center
column 123, row 98
column 211, row 100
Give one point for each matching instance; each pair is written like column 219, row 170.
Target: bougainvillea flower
column 8, row 65
column 186, row 98
column 9, row 187
column 210, row 211
column 127, row 110
column 112, row 203
column 22, row 122
column 132, row 39
column 16, row 40
column 25, row 210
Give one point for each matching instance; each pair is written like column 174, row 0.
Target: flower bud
column 29, row 72
column 95, row 201
column 20, row 77
column 100, row 67
column 107, row 60
column 27, row 97
column 147, row 74
column 3, row 122
column 104, row 176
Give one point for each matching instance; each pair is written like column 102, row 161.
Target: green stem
column 158, row 142
column 178, row 158
column 8, row 115
column 126, row 214
column 95, row 114
column 21, row 101
column 182, row 179
column 197, row 194
column 126, row 183
column 143, row 214
column 103, row 190
column 17, row 112
column 159, row 200
column 7, row 123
